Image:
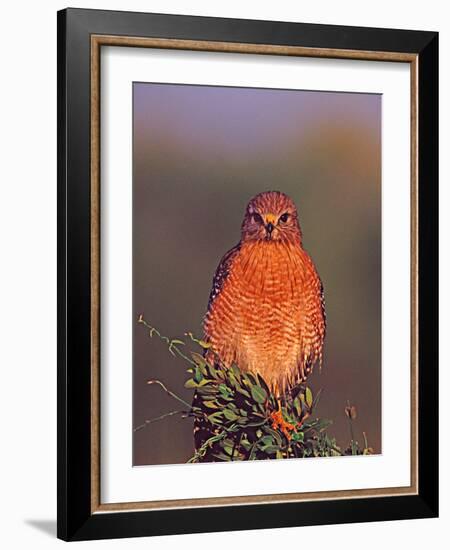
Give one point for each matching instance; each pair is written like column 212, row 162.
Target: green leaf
column 259, row 394
column 199, row 359
column 225, row 391
column 207, row 390
column 235, row 370
column 203, row 344
column 298, row 436
column 265, row 441
column 232, row 380
column 270, row 449
column 243, row 392
column 190, row 383
column 198, row 376
column 263, row 384
column 212, row 371
column 274, row 434
column 309, row 397
column 215, row 418
column 203, row 369
column 251, row 378
column 208, row 396
column 211, row 404
column 229, row 414
column 228, row 445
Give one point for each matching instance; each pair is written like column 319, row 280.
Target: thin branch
column 201, row 343
column 171, row 393
column 192, row 410
column 199, row 453
column 151, row 420
column 317, row 398
column 236, row 445
column 366, row 445
column 171, row 344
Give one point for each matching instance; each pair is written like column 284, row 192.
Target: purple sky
column 239, row 121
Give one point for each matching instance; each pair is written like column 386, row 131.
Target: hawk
column 266, row 309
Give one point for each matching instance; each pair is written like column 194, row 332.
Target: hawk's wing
column 221, row 273
column 314, row 325
column 203, row 430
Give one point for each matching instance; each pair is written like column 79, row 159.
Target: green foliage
column 247, row 422
column 243, row 420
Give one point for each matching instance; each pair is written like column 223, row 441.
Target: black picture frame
column 76, row 521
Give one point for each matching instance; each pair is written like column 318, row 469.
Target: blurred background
column 199, row 154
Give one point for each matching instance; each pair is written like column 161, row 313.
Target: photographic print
column 256, row 274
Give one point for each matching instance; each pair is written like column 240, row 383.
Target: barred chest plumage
column 268, row 316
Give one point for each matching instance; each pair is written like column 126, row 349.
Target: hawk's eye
column 257, row 218
column 284, row 217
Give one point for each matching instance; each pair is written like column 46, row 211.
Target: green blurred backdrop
column 199, row 154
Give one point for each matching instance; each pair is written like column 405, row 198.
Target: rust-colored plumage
column 266, row 310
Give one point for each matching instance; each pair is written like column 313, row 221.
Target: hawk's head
column 271, row 217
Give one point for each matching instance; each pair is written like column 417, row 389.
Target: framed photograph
column 247, row 255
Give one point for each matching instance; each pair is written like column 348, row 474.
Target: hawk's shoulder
column 221, row 274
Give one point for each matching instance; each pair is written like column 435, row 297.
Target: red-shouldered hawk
column 266, row 308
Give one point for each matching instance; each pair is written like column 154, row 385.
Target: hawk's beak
column 270, row 224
